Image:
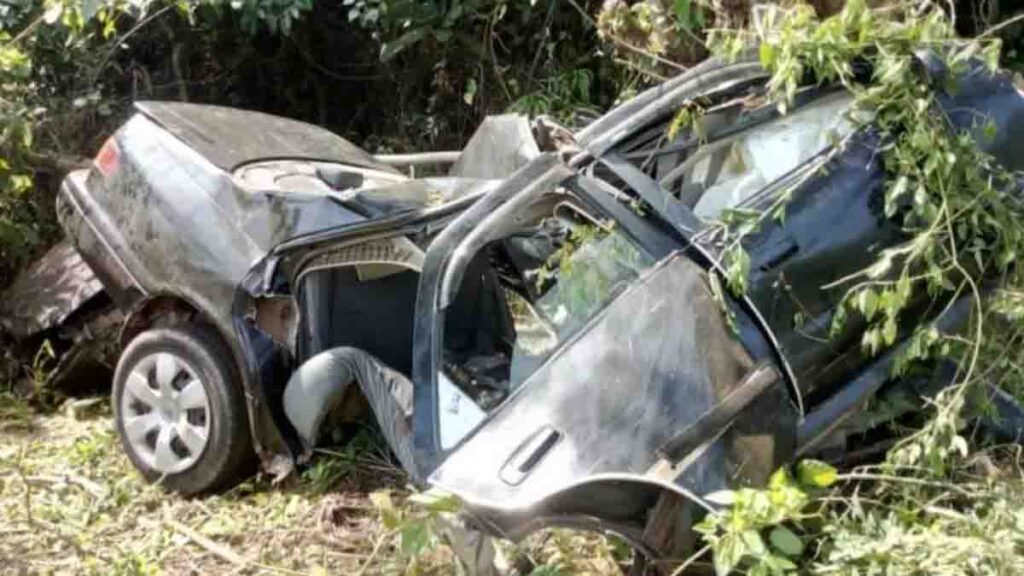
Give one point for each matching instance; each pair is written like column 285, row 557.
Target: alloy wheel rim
column 166, row 413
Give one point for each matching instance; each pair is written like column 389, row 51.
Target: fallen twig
column 376, row 550
column 89, row 486
column 218, row 550
column 1002, row 25
column 622, row 43
column 26, row 31
column 223, row 552
column 689, row 561
column 906, row 480
column 121, row 39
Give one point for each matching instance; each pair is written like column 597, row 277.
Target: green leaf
column 728, row 554
column 20, row 184
column 737, row 270
column 436, row 500
column 785, row 541
column 889, row 331
column 381, row 500
column 469, row 94
column 816, row 473
column 415, row 537
column 767, row 54
column 682, row 119
column 780, row 479
column 903, row 288
column 754, row 543
column 53, row 12
column 687, row 16
column 959, row 444
column 867, row 302
column 990, row 131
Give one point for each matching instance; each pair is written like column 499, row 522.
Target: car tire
column 180, row 410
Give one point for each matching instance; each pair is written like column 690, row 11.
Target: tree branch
column 620, row 42
column 1001, row 26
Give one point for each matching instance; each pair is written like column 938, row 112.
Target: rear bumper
column 96, row 240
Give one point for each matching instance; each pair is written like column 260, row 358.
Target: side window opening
column 527, row 293
column 479, row 332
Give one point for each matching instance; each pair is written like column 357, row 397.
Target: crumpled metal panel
column 229, row 137
column 637, row 104
column 500, row 146
column 49, row 291
column 663, row 101
column 181, row 227
column 420, row 194
column 657, row 359
column 765, row 153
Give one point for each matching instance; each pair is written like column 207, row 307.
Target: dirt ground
column 70, row 503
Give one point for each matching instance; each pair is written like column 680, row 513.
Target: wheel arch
column 158, row 310
column 169, row 309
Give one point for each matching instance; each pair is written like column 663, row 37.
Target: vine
column 962, row 233
column 949, row 196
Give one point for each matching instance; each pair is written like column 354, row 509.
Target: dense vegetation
column 404, row 74
column 922, row 509
column 392, row 75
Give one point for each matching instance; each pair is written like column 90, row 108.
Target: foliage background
column 392, row 75
column 389, row 74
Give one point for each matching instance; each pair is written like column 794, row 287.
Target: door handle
column 528, row 454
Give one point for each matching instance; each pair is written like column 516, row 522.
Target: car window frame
column 447, row 258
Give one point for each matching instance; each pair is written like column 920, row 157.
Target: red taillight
column 108, row 160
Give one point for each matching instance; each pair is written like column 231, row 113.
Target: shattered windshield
column 730, row 169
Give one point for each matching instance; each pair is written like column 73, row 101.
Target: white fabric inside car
column 759, row 156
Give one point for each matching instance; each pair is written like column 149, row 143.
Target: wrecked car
column 177, row 206
column 542, row 333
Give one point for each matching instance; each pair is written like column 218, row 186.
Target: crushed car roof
column 229, row 137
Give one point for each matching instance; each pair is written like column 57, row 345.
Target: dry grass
column 70, row 503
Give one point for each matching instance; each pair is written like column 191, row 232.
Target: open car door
column 605, row 344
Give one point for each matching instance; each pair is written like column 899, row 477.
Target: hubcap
column 166, row 413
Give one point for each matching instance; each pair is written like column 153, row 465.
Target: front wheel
column 180, row 411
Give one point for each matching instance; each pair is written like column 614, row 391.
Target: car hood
column 229, row 137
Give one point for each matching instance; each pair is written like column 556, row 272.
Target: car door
column 639, row 353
